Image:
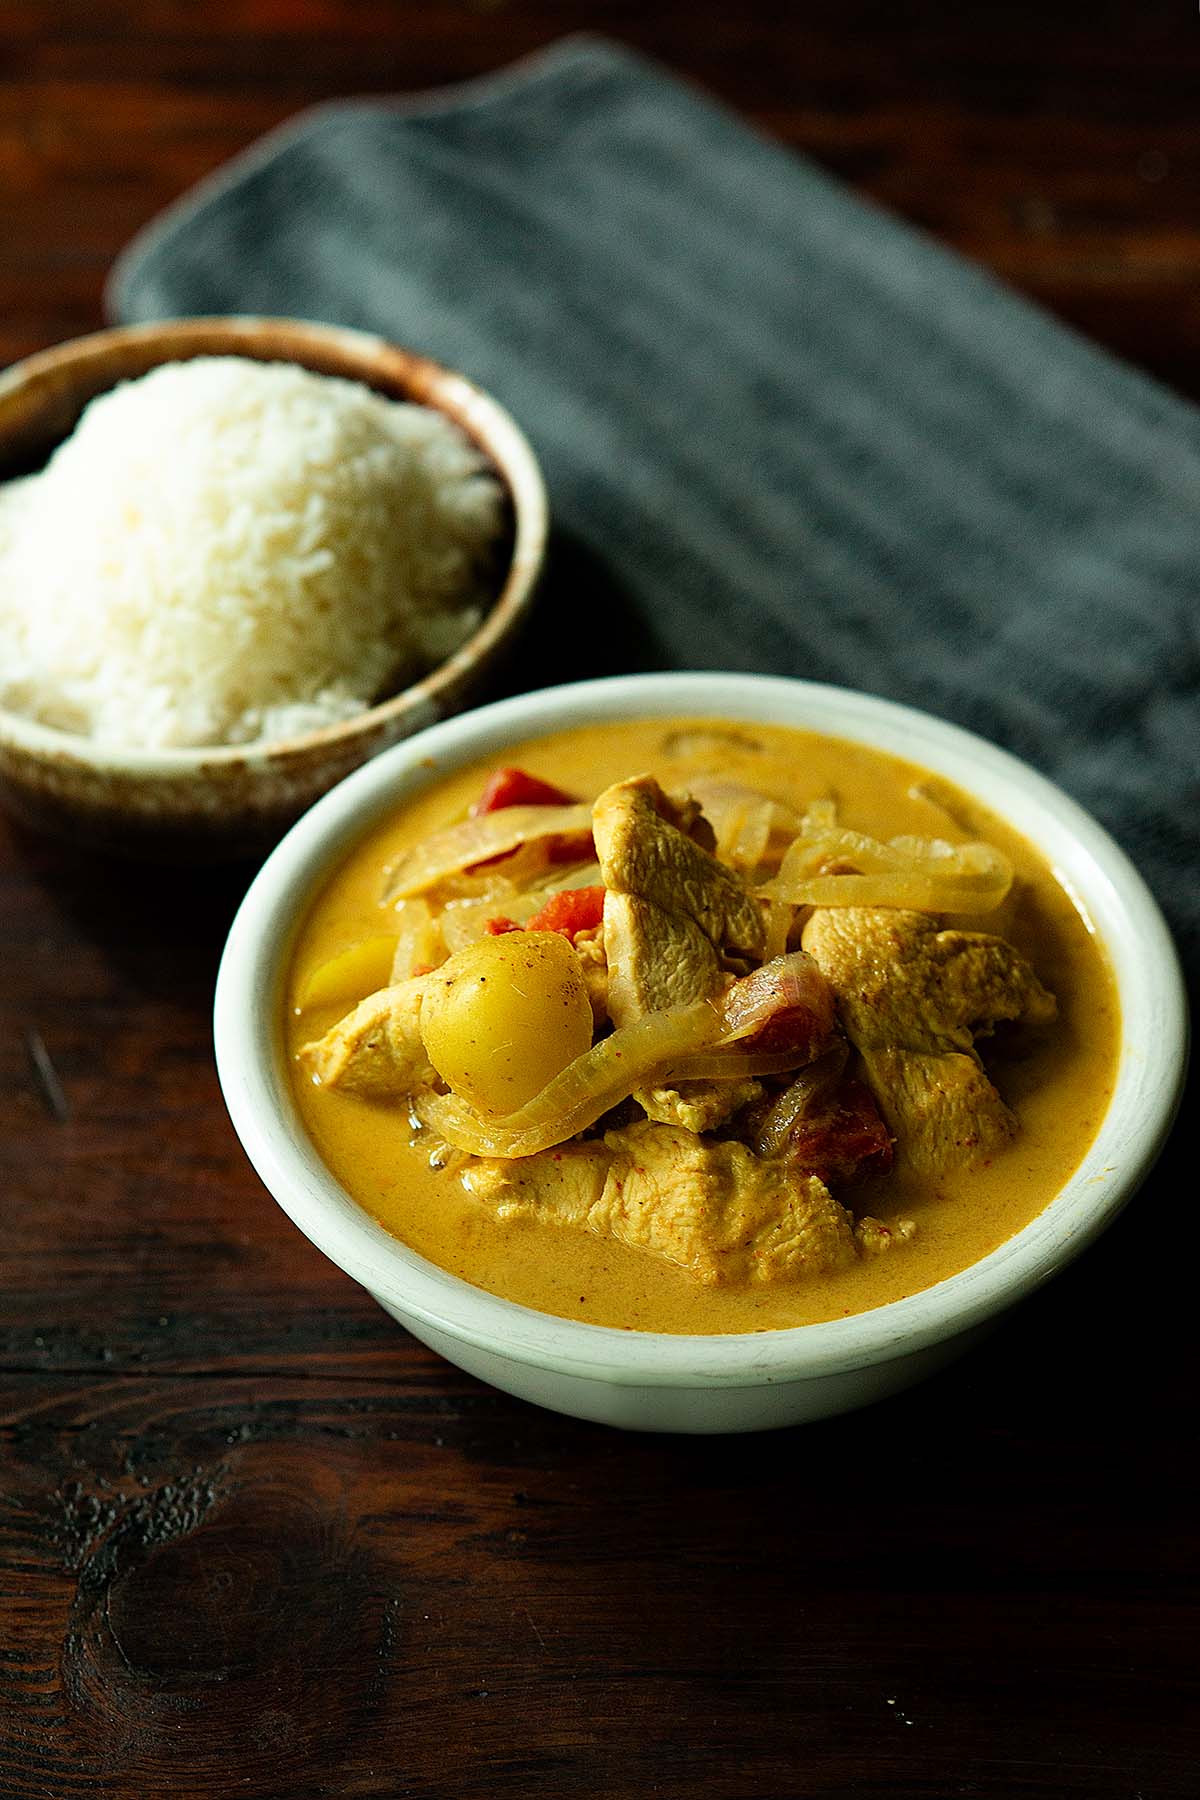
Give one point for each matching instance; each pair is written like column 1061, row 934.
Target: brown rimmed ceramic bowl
column 218, row 803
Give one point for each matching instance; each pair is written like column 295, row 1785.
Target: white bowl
column 660, row 1381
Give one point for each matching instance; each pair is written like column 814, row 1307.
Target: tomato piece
column 786, row 1004
column 498, row 926
column 571, row 911
column 845, row 1143
column 516, row 787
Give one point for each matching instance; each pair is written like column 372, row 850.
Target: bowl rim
column 248, row 1013
column 495, row 430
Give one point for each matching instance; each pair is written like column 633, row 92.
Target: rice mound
column 226, row 550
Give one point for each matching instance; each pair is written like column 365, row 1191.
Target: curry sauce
column 1058, row 1082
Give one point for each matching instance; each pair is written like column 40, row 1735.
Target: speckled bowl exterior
column 222, row 803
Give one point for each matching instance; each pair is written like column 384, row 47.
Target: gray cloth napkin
column 781, row 431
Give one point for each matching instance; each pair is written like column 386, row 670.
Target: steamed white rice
column 226, row 550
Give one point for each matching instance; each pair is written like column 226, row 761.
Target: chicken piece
column 874, row 1237
column 943, row 1109
column 714, row 1210
column 655, row 958
column 912, row 997
column 376, row 1050
column 719, row 1211
column 672, row 913
column 556, row 1187
column 589, row 948
column 699, row 1105
column 901, row 980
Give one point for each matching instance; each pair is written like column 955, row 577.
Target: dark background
column 253, row 1540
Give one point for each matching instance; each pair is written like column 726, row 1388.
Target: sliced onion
column 791, row 991
column 780, row 914
column 819, row 815
column 708, row 740
column 730, row 1062
column 812, row 1087
column 471, row 841
column 463, row 921
column 634, row 1056
column 747, row 836
column 745, row 821
column 704, row 1040
column 420, row 944
column 925, row 874
column 819, row 818
column 571, row 876
column 960, row 860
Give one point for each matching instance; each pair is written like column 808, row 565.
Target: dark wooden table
column 253, row 1540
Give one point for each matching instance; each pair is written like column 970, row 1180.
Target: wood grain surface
column 256, row 1541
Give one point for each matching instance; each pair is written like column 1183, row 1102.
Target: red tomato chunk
column 571, row 911
column 846, row 1142
column 516, row 787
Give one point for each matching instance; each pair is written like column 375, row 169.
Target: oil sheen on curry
column 685, row 1027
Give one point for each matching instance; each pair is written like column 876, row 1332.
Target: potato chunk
column 504, row 1016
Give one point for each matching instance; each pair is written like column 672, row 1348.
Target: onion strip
column 420, row 944
column 820, row 817
column 705, row 1040
column 471, row 841
column 730, row 1062
column 748, row 834
column 464, row 921
column 812, row 1088
column 632, row 1056
column 846, row 868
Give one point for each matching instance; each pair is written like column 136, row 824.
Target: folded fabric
column 781, row 430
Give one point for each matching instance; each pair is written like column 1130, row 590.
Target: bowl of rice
column 238, row 557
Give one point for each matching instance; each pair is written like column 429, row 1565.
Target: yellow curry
column 686, row 1027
